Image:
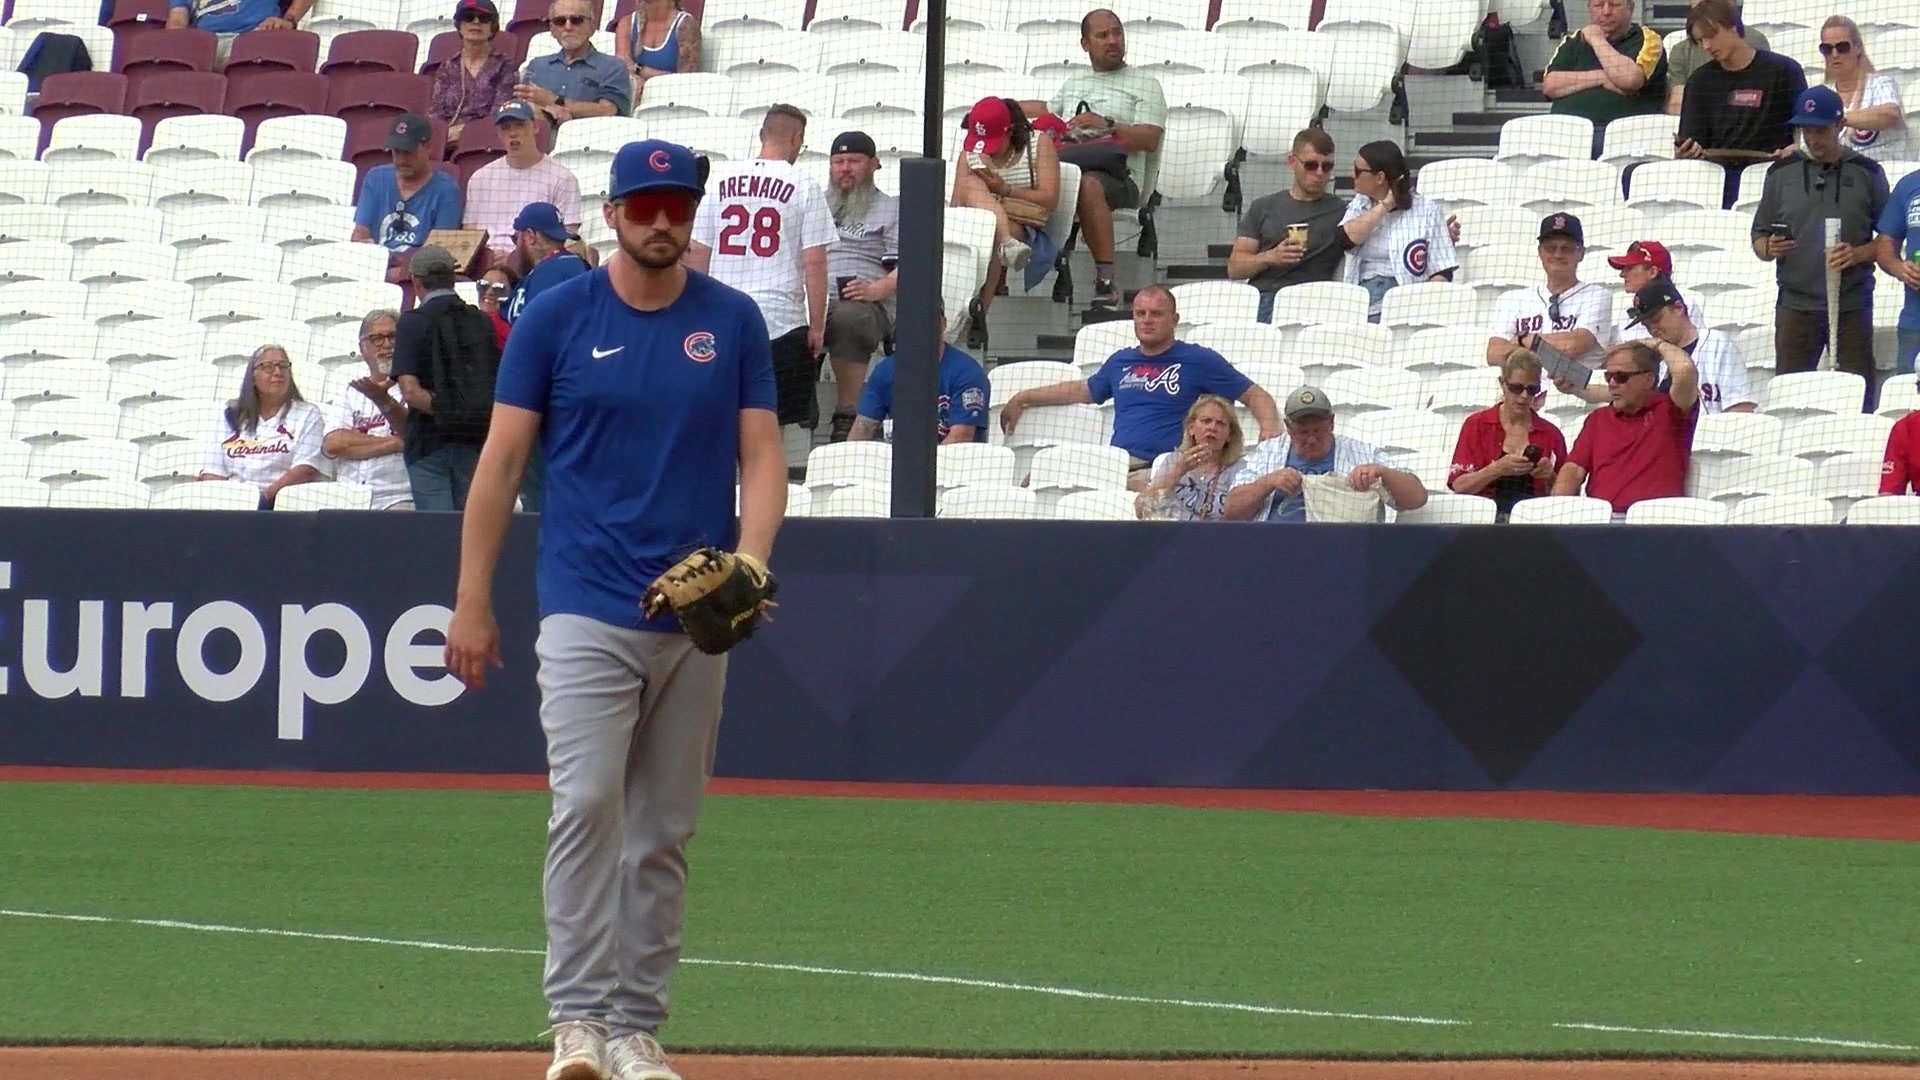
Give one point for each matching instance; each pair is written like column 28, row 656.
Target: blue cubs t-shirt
column 640, row 430
column 1292, row 510
column 228, row 16
column 1151, row 394
column 548, row 272
column 1901, row 221
column 964, row 395
column 398, row 223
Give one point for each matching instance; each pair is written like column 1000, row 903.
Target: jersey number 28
column 758, row 232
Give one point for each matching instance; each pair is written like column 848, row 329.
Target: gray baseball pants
column 631, row 719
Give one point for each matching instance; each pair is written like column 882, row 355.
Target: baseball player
column 1573, row 316
column 645, row 385
column 765, row 229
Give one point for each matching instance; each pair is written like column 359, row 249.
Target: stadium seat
column 1425, row 304
column 1662, row 188
column 1781, row 510
column 282, row 94
column 1459, row 184
column 1173, row 52
column 210, row 225
column 176, row 140
column 93, row 137
column 1057, row 425
column 175, row 94
column 110, row 264
column 82, row 187
column 1094, row 343
column 444, row 46
column 113, row 304
column 762, row 56
column 46, row 423
column 37, row 260
column 866, row 97
column 42, row 300
column 985, row 52
column 1804, row 394
column 1215, row 301
column 100, row 495
column 1898, row 397
column 855, row 53
column 1356, row 390
column 1318, row 302
column 967, row 464
column 201, row 183
column 371, row 50
column 1260, row 18
column 1817, row 438
column 293, row 226
column 296, row 183
column 19, row 137
column 1631, row 140
column 1736, row 311
column 1096, row 506
column 263, row 55
column 856, row 501
column 165, row 463
column 228, row 346
column 1370, row 45
column 848, row 464
column 19, row 491
column 1403, row 433
column 692, row 93
column 332, row 495
column 1328, row 348
column 1676, row 511
column 589, row 143
column 1529, row 140
column 1551, row 186
column 86, row 459
column 1880, row 510
column 1446, row 508
column 141, row 56
column 1441, row 350
column 296, row 136
column 322, row 264
column 988, row 503
column 1058, row 471
column 151, row 340
column 242, row 301
column 1277, row 377
column 1736, row 435
column 1712, row 273
column 1562, row 510
column 1205, row 116
column 1845, row 479
column 343, row 18
column 32, row 340
column 1442, row 32
column 206, row 495
column 79, row 93
column 384, row 94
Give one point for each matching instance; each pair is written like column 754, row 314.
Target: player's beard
column 644, row 253
column 851, row 204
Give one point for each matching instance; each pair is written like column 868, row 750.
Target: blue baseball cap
column 1817, row 106
column 654, row 165
column 543, row 218
column 514, row 110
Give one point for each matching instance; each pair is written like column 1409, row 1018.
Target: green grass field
column 1237, row 925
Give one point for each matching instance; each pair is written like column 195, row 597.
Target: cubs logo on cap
column 1817, row 106
column 654, row 165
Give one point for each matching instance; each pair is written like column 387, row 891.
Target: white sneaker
column 1015, row 254
column 579, row 1051
column 639, row 1057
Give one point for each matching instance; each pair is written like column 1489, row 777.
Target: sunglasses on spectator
column 1316, row 166
column 1619, row 378
column 568, row 20
column 642, row 207
column 473, row 16
column 1528, row 389
column 1841, row 48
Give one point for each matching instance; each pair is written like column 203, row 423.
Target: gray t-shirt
column 866, row 241
column 1266, row 224
column 1802, row 194
column 1685, row 57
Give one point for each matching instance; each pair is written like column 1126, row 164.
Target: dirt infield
column 128, row 1063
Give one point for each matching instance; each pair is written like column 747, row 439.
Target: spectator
column 579, row 80
column 1397, row 236
column 1573, row 316
column 863, row 266
column 1639, row 266
column 1738, row 104
column 226, row 18
column 1876, row 123
column 472, row 85
column 675, row 38
column 1007, row 172
column 1114, row 117
column 1151, row 386
column 1509, row 452
column 1273, row 485
column 1191, row 481
column 1900, row 471
column 269, row 436
column 1720, row 370
column 445, row 361
column 498, row 190
column 540, row 241
column 401, row 203
column 1638, row 447
column 1610, row 68
column 1898, row 251
column 496, row 294
column 1686, row 56
column 965, row 397
column 1292, row 236
column 364, row 424
column 1826, row 182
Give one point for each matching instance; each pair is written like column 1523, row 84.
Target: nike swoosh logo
column 602, row 354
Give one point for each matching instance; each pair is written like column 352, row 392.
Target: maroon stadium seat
column 78, row 93
column 176, row 93
column 371, row 50
column 286, row 94
column 384, row 94
column 293, row 50
column 620, row 11
column 529, row 18
column 446, row 45
column 479, row 144
column 132, row 18
column 142, row 56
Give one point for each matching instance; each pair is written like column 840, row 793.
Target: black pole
column 933, row 141
column 916, row 334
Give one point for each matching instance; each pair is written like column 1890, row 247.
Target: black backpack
column 463, row 363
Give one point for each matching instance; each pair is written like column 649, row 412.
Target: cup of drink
column 1298, row 234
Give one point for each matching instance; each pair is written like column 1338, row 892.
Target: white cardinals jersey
column 1586, row 306
column 758, row 218
column 264, row 453
column 386, row 474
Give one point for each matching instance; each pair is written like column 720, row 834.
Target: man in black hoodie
column 1824, row 181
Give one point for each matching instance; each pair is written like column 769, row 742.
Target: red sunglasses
column 643, row 207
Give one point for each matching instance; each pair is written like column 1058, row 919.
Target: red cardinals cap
column 1644, row 253
column 987, row 124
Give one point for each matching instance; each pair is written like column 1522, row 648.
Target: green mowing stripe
column 1694, row 941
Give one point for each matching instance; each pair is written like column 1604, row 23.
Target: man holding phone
column 1824, row 182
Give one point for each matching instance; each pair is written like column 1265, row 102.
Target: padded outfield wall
column 1605, row 659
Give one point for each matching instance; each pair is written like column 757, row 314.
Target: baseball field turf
column 244, row 915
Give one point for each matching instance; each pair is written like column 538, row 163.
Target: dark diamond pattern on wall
column 1472, row 633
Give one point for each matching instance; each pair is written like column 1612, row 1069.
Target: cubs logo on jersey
column 1861, row 139
column 1415, row 257
column 699, row 347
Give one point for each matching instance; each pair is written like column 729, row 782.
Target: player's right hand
column 473, row 643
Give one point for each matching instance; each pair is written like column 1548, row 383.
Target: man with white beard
column 863, row 268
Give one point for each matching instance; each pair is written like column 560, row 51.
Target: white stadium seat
column 1008, row 503
column 181, row 139
column 1561, row 510
column 101, row 495
column 327, row 495
column 1881, row 510
column 1527, row 140
column 98, row 138
column 1446, row 508
column 207, row 495
column 1097, row 506
column 1781, row 510
column 315, row 138
column 973, row 464
column 684, row 94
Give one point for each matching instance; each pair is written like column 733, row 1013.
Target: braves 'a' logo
column 1167, row 378
column 699, row 346
column 1415, row 257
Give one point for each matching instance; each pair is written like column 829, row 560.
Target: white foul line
column 1809, row 1040
column 950, row 980
column 801, row 969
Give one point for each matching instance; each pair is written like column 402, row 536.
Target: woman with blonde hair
column 1875, row 124
column 1191, row 481
column 1509, row 452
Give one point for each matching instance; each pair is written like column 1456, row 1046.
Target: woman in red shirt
column 1509, row 452
column 1900, row 472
